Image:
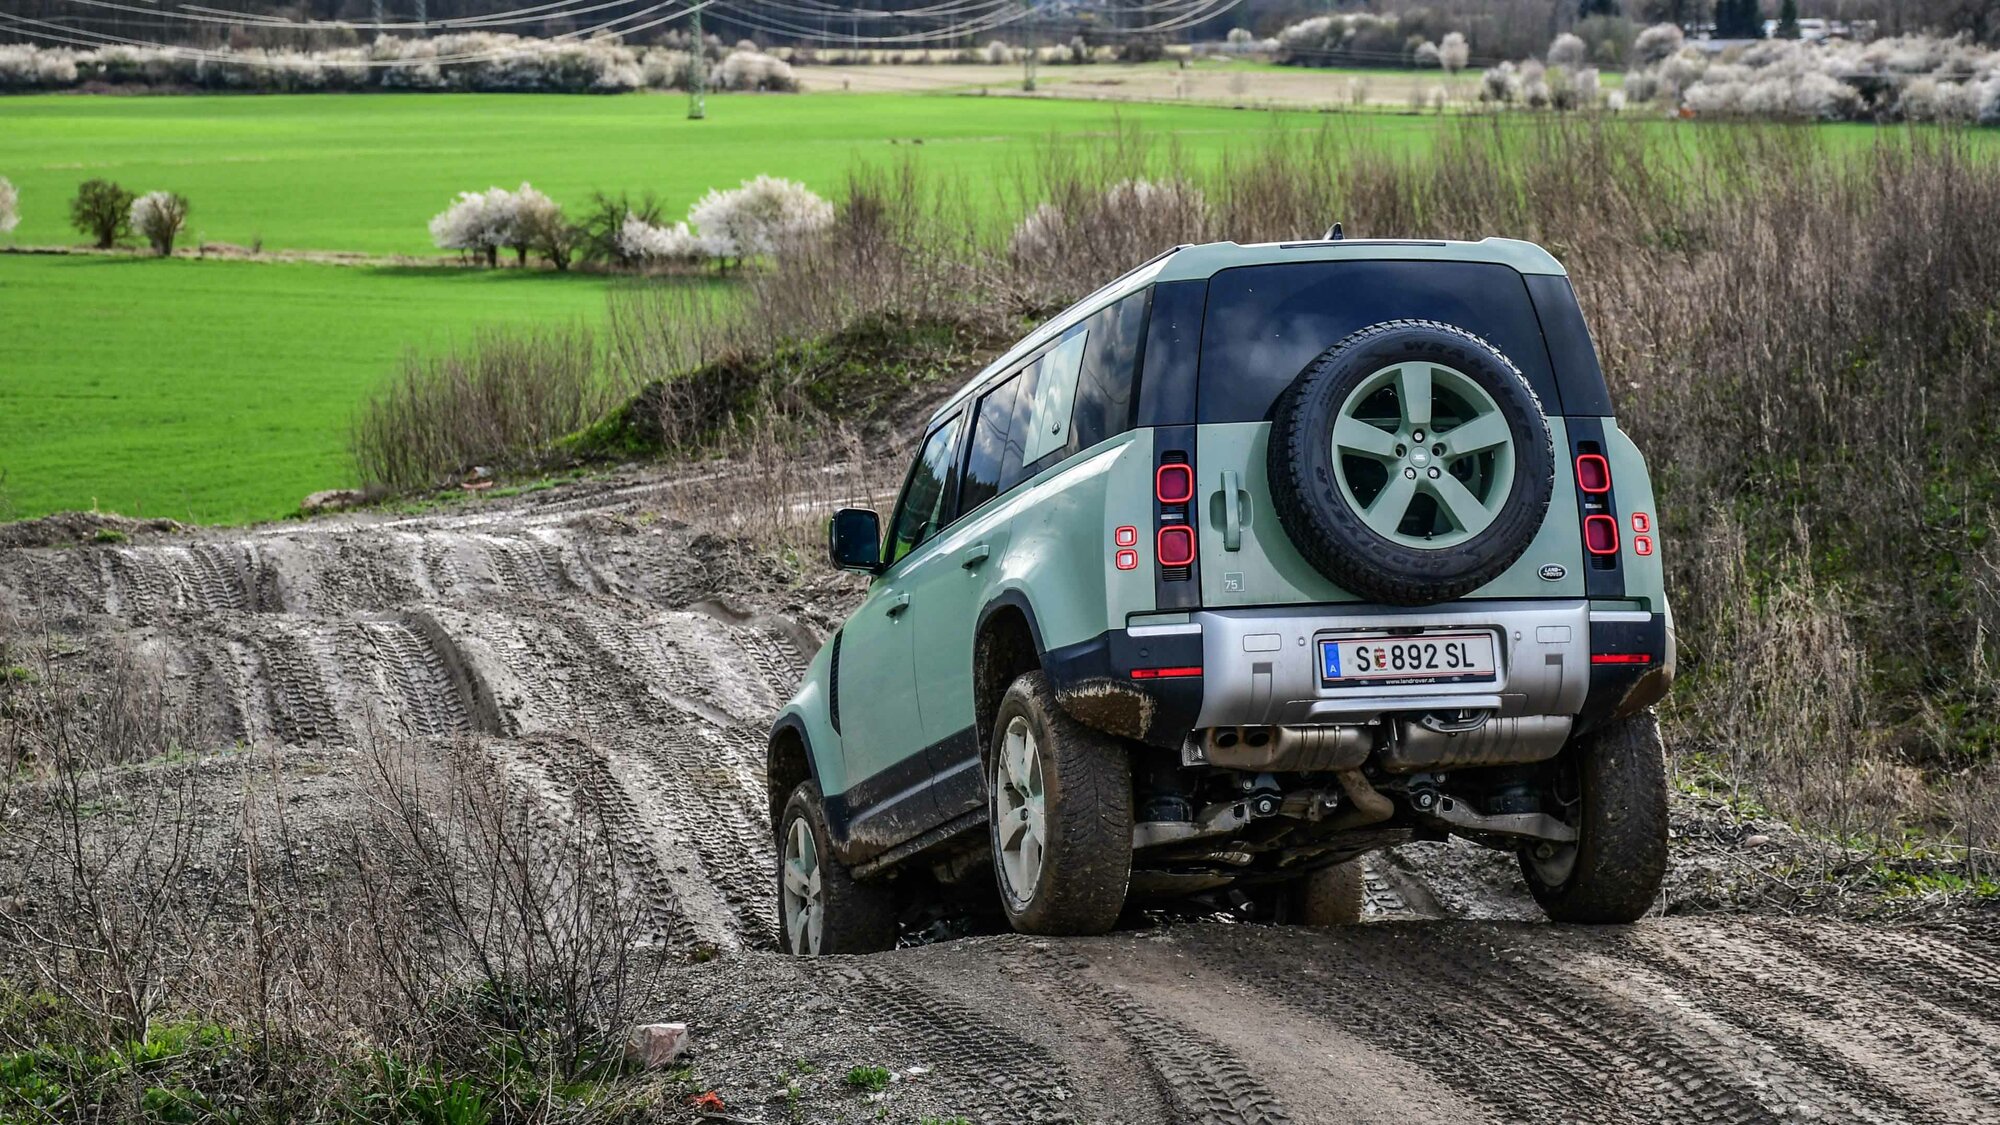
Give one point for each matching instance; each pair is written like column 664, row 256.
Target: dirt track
column 595, row 649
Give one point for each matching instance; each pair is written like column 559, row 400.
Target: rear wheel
column 821, row 908
column 1611, row 786
column 1059, row 804
column 1330, row 896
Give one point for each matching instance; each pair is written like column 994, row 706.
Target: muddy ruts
column 1200, row 1079
column 1003, row 1077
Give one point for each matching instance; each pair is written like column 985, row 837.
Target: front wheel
column 821, row 908
column 1611, row 786
column 1059, row 803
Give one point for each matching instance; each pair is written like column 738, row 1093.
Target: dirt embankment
column 601, row 654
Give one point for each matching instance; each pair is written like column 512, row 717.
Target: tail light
column 1600, row 535
column 1593, row 474
column 1173, row 514
column 1176, row 545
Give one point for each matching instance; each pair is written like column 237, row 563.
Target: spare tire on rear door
column 1410, row 463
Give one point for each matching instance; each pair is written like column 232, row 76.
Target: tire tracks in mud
column 621, row 698
column 343, row 634
column 999, row 1075
column 1689, row 1021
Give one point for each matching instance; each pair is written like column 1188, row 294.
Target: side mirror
column 854, row 540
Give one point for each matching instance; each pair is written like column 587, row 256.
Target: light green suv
column 1255, row 560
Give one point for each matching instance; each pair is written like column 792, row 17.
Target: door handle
column 975, row 555
column 1232, row 512
column 895, row 604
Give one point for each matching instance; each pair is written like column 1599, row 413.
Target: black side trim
column 1603, row 575
column 1082, row 671
column 957, row 784
column 1173, row 353
column 1579, row 379
column 881, row 810
column 833, row 684
column 918, row 845
column 1609, row 683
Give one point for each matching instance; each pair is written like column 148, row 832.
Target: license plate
column 1425, row 658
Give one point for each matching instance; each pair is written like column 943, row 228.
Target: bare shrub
column 499, row 400
column 496, row 919
column 95, row 909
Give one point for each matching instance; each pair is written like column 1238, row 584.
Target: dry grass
column 497, row 402
column 1802, row 337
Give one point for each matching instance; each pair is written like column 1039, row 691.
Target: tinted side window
column 1047, row 438
column 1265, row 323
column 922, row 507
column 1110, row 371
column 986, row 463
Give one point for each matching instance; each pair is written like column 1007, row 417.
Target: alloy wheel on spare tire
column 1411, row 463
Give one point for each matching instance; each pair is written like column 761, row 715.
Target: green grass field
column 221, row 391
column 367, row 171
column 218, row 391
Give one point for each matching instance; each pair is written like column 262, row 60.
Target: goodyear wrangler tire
column 1410, row 463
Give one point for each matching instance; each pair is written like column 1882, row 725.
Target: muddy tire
column 1330, row 896
column 1611, row 786
column 821, row 908
column 1059, row 811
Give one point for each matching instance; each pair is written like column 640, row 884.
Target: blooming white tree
column 10, row 206
column 1586, row 85
column 159, row 217
column 641, row 241
column 997, row 52
column 530, row 214
column 482, row 222
column 1660, row 41
column 1567, row 50
column 752, row 70
column 1428, row 54
column 1453, row 52
column 757, row 218
column 468, row 225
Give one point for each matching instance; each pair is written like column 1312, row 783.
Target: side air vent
column 833, row 686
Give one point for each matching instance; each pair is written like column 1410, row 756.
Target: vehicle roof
column 1195, row 263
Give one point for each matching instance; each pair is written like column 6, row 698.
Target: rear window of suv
column 1265, row 323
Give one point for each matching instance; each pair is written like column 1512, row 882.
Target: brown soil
column 603, row 652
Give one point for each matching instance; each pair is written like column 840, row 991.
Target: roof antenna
column 1333, row 234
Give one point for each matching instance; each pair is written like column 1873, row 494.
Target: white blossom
column 1567, row 50
column 642, row 241
column 10, row 205
column 1454, row 52
column 758, row 217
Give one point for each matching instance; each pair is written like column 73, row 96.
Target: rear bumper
column 1259, row 667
